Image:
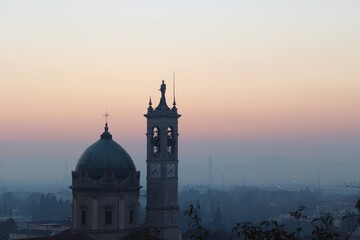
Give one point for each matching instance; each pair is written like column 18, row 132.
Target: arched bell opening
column 155, row 141
column 170, row 140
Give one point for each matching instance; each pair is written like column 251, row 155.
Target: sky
column 257, row 83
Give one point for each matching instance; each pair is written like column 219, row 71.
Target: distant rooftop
column 34, row 232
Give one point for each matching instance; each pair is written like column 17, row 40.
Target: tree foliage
column 323, row 227
column 49, row 207
column 199, row 231
column 38, row 206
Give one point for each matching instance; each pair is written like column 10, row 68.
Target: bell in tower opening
column 162, row 208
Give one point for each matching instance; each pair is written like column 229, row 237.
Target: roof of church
column 104, row 155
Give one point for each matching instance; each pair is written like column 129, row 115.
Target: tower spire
column 174, row 103
column 150, row 108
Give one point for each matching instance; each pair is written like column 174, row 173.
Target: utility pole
column 210, row 171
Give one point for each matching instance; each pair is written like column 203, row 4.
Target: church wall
column 121, row 203
column 131, row 207
column 108, row 202
column 83, row 201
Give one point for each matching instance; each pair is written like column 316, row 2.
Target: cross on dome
column 106, row 134
column 106, row 116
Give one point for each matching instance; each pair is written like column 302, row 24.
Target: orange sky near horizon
column 244, row 70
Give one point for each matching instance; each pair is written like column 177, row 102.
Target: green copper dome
column 105, row 155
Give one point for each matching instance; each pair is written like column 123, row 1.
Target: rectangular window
column 108, row 217
column 131, row 216
column 83, row 216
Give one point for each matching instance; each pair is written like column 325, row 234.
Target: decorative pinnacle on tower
column 174, row 102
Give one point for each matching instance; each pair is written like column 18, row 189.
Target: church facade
column 105, row 188
column 106, row 184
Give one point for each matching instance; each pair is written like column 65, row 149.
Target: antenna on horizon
column 174, row 103
column 318, row 182
column 210, row 171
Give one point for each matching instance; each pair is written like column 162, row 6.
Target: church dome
column 105, row 155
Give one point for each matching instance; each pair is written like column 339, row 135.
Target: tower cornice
column 156, row 114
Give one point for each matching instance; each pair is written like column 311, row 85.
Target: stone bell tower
column 162, row 207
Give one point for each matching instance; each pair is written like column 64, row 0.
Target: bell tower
column 162, row 207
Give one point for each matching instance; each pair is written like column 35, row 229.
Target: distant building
column 45, row 228
column 29, row 233
column 50, row 225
